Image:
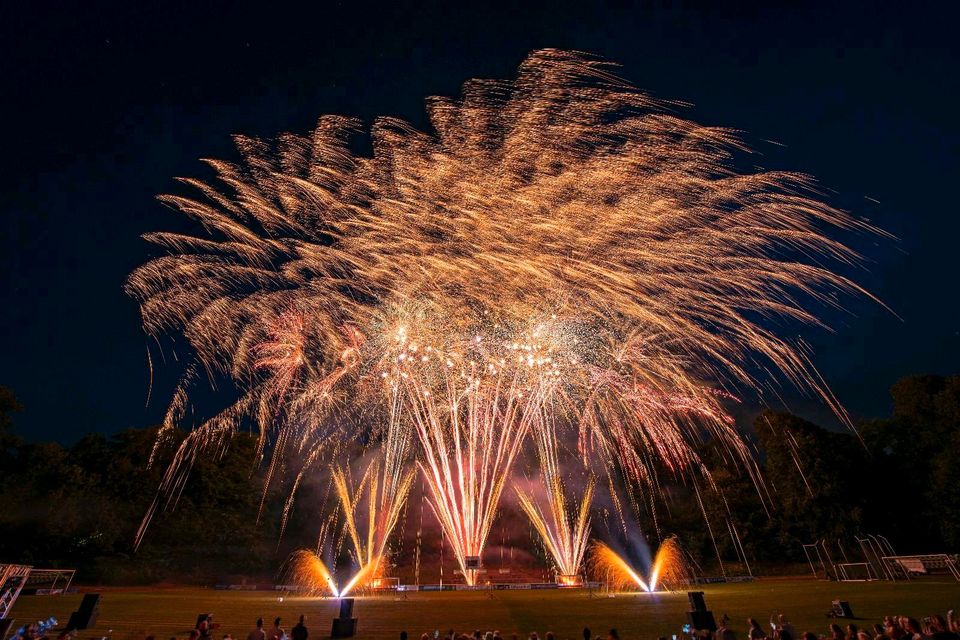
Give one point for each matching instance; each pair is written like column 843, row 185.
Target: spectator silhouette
column 258, row 633
column 299, row 631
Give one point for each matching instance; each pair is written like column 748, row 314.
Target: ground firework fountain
column 668, row 569
column 307, row 570
column 385, row 496
column 564, row 527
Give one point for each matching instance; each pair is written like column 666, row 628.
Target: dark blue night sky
column 105, row 104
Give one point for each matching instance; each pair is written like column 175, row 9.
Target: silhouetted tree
column 916, row 476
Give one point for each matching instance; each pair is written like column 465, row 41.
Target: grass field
column 131, row 613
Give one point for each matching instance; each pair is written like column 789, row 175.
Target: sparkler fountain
column 668, row 569
column 386, row 496
column 564, row 534
column 472, row 405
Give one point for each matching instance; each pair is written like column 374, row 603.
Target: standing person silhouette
column 299, row 631
column 277, row 633
column 258, row 633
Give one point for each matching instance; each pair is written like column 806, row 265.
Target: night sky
column 104, row 105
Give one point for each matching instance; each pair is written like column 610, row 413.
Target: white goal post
column 855, row 572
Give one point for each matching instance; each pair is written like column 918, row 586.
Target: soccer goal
column 821, row 564
column 855, row 572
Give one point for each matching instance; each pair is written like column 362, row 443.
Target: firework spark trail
column 383, row 487
column 614, row 569
column 668, row 569
column 565, row 540
column 386, row 490
column 564, row 534
column 387, row 485
column 565, row 191
column 472, row 408
column 306, row 569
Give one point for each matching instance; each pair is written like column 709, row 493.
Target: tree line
column 81, row 505
column 898, row 477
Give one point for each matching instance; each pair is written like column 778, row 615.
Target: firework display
column 668, row 569
column 386, row 495
column 564, row 533
column 562, row 264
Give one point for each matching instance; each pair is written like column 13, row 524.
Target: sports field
column 131, row 613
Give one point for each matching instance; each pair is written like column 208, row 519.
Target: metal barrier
column 49, row 581
column 12, row 579
column 909, row 566
column 873, row 547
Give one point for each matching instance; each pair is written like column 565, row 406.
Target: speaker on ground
column 841, row 609
column 700, row 618
column 86, row 616
column 697, row 603
column 346, row 625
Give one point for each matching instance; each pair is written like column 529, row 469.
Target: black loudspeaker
column 5, row 625
column 86, row 616
column 472, row 562
column 344, row 628
column 346, row 608
column 697, row 603
column 841, row 609
column 346, row 625
column 698, row 616
column 701, row 620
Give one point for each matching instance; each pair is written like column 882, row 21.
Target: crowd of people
column 206, row 630
column 935, row 627
column 496, row 635
column 37, row 631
